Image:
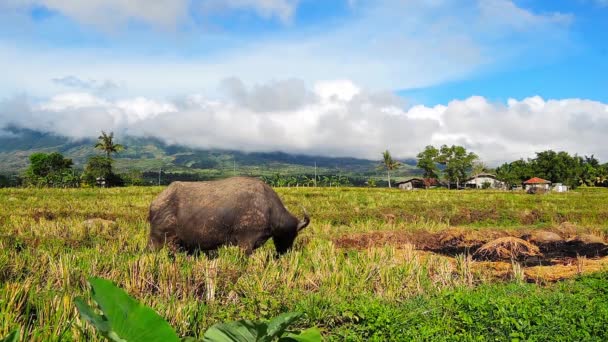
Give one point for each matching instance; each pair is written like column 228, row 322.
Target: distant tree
column 590, row 172
column 457, row 162
column 557, row 167
column 325, row 181
column 98, row 168
column 515, row 173
column 427, row 161
column 602, row 178
column 42, row 164
column 389, row 164
column 105, row 143
column 308, row 181
column 50, row 170
column 4, row 181
column 344, row 181
column 133, row 177
column 480, row 167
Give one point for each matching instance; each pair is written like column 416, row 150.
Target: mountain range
column 151, row 154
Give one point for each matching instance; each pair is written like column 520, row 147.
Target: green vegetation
column 274, row 330
column 389, row 164
column 557, row 167
column 49, row 246
column 51, row 170
column 122, row 318
column 456, row 162
column 427, row 162
column 105, row 143
column 98, row 170
column 12, row 337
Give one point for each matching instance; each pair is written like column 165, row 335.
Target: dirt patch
column 530, row 217
column 468, row 216
column 39, row 214
column 560, row 249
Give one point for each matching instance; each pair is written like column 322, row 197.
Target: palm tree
column 105, row 142
column 389, row 164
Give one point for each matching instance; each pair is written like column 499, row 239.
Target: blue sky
column 533, row 52
column 578, row 69
column 427, row 61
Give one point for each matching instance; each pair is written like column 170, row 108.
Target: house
column 537, row 183
column 559, row 187
column 411, row 184
column 485, row 181
column 418, row 183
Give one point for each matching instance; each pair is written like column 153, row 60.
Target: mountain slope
column 148, row 154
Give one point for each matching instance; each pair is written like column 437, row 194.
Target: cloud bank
column 332, row 118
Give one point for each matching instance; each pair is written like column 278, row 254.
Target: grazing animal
column 237, row 211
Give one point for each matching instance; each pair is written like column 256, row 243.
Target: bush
column 51, row 170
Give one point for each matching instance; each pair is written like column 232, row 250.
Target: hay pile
column 507, row 248
column 543, row 237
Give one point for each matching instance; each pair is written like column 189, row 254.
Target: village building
column 418, row 183
column 485, row 181
column 559, row 187
column 537, row 183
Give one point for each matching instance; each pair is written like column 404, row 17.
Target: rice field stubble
column 366, row 250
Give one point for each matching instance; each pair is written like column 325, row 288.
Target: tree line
column 451, row 163
column 454, row 164
column 56, row 171
column 557, row 167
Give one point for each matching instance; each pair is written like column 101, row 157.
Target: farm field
column 374, row 265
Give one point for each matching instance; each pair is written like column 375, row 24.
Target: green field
column 388, row 291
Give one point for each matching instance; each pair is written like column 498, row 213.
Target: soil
column 559, row 253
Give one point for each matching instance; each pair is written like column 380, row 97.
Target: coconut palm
column 105, row 143
column 389, row 164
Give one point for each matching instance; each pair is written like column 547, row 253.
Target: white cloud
column 388, row 45
column 87, row 85
column 282, row 9
column 108, row 14
column 360, row 124
column 506, row 14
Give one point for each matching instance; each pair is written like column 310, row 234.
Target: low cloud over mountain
column 333, row 118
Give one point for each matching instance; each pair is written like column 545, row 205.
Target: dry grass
column 507, row 248
column 48, row 249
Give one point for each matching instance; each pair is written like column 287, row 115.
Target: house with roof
column 485, row 181
column 537, row 183
column 418, row 183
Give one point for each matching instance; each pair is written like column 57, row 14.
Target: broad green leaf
column 127, row 319
column 89, row 314
column 239, row 331
column 189, row 339
column 308, row 335
column 12, row 337
column 277, row 325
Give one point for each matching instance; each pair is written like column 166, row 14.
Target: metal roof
column 536, row 180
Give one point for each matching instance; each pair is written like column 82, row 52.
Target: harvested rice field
column 374, row 265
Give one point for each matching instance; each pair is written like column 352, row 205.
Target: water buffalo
column 238, row 211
